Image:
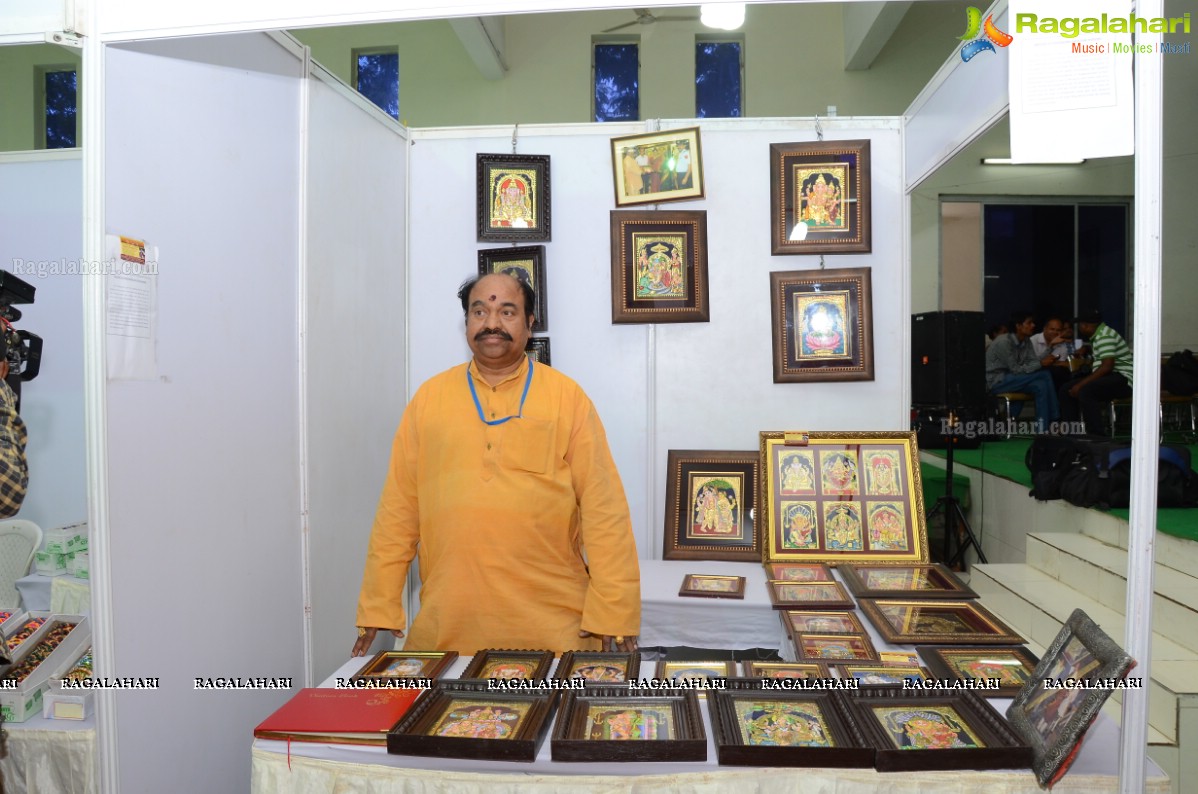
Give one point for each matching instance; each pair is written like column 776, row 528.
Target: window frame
column 708, row 37
column 357, row 52
column 608, row 39
column 39, row 101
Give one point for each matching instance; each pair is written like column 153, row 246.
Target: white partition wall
column 354, row 344
column 40, row 242
column 203, row 160
column 667, row 386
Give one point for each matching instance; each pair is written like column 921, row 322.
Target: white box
column 50, row 563
column 60, row 540
column 22, row 702
column 16, row 623
column 69, row 704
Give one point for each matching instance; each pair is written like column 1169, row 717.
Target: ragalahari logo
column 990, row 35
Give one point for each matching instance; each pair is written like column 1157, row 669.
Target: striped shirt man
column 1107, row 343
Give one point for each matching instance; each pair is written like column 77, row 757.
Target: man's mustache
column 502, row 334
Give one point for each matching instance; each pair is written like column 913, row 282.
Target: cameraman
column 14, row 474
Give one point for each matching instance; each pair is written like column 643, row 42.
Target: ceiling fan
column 645, row 17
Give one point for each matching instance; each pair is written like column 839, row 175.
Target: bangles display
column 42, row 651
column 82, row 669
column 25, row 633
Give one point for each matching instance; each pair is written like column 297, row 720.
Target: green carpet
column 1006, row 459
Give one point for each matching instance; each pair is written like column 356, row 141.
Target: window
column 616, row 67
column 376, row 76
column 58, row 99
column 719, row 76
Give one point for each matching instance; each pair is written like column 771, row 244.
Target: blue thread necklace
column 479, row 406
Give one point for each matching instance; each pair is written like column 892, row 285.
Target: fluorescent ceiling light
column 725, row 16
column 1009, row 161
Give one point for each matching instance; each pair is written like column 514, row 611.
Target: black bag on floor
column 1180, row 374
column 1101, row 476
column 1049, row 459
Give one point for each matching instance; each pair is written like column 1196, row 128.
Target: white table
column 50, row 756
column 38, row 590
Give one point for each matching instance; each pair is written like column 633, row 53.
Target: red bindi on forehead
column 492, row 299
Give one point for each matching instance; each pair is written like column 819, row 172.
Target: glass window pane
column 378, row 80
column 717, row 79
column 60, row 110
column 1102, row 262
column 617, row 73
column 1028, row 255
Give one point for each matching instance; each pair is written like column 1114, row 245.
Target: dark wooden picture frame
column 526, row 263
column 809, row 595
column 512, row 196
column 517, row 720
column 633, row 159
column 486, row 663
column 711, row 496
column 824, row 495
column 925, row 580
column 399, row 665
column 599, row 667
column 936, row 622
column 870, row 674
column 675, row 669
column 706, row 585
column 752, row 727
column 1054, row 721
column 1012, row 667
column 801, row 621
column 969, row 732
column 798, row 572
column 538, row 349
column 831, row 648
column 765, row 669
column 659, row 266
column 614, row 723
column 820, row 197
column 822, row 323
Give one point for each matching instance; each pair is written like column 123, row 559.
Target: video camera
column 21, row 349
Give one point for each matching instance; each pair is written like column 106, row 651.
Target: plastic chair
column 19, row 539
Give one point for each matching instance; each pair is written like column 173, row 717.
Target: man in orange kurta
column 521, row 525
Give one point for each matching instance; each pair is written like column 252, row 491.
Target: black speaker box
column 948, row 360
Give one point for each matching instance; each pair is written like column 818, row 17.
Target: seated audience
column 1058, row 343
column 1012, row 366
column 1088, row 394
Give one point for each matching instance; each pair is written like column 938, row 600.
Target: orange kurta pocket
column 527, row 445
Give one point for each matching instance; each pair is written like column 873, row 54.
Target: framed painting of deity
column 798, row 572
column 1006, row 669
column 466, row 719
column 513, row 197
column 397, row 665
column 837, row 498
column 615, row 723
column 701, row 585
column 834, row 647
column 1050, row 712
column 526, row 263
column 538, row 350
column 809, row 595
column 805, row 670
column 599, row 667
column 931, row 580
column 658, row 266
column 657, row 166
column 819, row 622
column 819, row 197
column 710, row 501
column 755, row 727
column 822, row 325
column 882, row 674
column 935, row 729
column 504, row 664
column 699, row 671
column 915, row 622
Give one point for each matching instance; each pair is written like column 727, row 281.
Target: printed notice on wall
column 131, row 300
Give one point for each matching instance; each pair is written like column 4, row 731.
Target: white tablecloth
column 50, row 757
column 39, row 593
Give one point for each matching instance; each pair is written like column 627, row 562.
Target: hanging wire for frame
column 515, row 129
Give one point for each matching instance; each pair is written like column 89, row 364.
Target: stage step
column 1172, row 552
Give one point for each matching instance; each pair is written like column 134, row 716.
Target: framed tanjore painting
column 710, row 501
column 538, row 349
column 599, row 667
column 819, row 197
column 794, row 620
column 931, row 580
column 696, row 671
column 836, row 498
column 834, row 647
column 903, row 622
column 1052, row 715
column 529, row 665
column 822, row 324
column 526, row 263
column 809, row 595
column 702, row 585
column 464, row 719
column 813, row 728
column 935, row 730
column 814, row 670
column 657, row 166
column 658, row 267
column 882, row 674
column 406, row 664
column 798, row 572
column 1008, row 668
column 614, row 723
column 513, row 197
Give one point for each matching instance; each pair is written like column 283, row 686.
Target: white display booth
column 309, row 253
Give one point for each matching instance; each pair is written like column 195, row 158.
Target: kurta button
column 492, row 414
column 488, row 445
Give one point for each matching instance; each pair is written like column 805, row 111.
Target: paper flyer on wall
column 131, row 302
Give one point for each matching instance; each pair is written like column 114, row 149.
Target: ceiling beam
column 867, row 28
column 483, row 39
